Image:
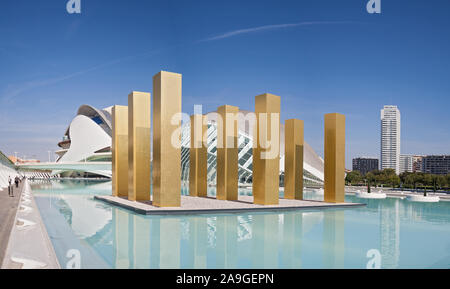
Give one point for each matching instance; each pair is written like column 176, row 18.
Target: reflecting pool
column 390, row 233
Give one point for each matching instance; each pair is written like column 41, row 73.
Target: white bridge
column 100, row 168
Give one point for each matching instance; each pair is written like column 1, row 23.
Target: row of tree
column 388, row 177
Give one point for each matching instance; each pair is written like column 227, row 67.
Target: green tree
column 441, row 181
column 370, row 178
column 409, row 180
column 394, row 180
column 353, row 177
column 427, row 180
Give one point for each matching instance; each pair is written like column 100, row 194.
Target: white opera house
column 88, row 140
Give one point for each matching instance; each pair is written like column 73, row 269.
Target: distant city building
column 417, row 164
column 437, row 165
column 390, row 138
column 365, row 165
column 406, row 163
column 23, row 161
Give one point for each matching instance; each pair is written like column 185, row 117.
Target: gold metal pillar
column 227, row 153
column 198, row 157
column 266, row 153
column 334, row 172
column 139, row 146
column 293, row 159
column 119, row 149
column 167, row 139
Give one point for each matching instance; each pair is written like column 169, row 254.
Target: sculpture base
column 423, row 199
column 366, row 195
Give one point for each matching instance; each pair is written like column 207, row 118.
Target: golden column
column 334, row 172
column 266, row 153
column 167, row 139
column 119, row 150
column 227, row 153
column 293, row 159
column 198, row 157
column 139, row 146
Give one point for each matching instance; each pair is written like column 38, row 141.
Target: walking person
column 10, row 187
column 16, row 181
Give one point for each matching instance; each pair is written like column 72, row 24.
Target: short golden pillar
column 139, row 146
column 334, row 172
column 198, row 157
column 167, row 139
column 293, row 159
column 227, row 153
column 266, row 152
column 119, row 150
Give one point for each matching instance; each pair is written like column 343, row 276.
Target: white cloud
column 268, row 27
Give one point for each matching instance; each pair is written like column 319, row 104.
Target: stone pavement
column 8, row 209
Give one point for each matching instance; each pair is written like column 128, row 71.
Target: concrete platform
column 195, row 205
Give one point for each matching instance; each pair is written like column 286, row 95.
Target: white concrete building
column 406, row 163
column 390, row 138
column 6, row 170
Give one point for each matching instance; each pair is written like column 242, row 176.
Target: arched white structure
column 88, row 141
column 312, row 166
column 7, row 169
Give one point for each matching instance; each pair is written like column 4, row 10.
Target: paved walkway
column 8, row 209
column 29, row 246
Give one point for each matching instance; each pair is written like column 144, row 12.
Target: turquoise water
column 401, row 233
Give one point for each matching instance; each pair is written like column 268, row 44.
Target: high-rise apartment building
column 406, row 163
column 365, row 165
column 437, row 165
column 417, row 164
column 390, row 138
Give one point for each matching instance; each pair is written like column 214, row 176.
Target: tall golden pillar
column 167, row 139
column 139, row 146
column 119, row 150
column 227, row 153
column 334, row 172
column 266, row 153
column 198, row 157
column 293, row 159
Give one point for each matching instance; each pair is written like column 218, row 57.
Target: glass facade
column 245, row 154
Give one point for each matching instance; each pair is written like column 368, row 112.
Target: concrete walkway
column 29, row 246
column 399, row 194
column 8, row 209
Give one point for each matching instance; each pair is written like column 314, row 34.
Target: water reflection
column 111, row 237
column 333, row 239
column 390, row 233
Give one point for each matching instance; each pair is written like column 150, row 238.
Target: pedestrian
column 16, row 181
column 10, row 188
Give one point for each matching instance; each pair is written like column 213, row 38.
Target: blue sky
column 319, row 56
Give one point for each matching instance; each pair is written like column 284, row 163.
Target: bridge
column 99, row 168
